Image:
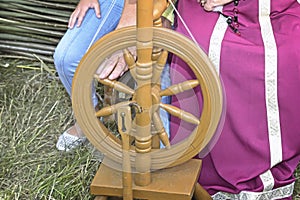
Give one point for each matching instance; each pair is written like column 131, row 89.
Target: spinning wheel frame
column 175, row 43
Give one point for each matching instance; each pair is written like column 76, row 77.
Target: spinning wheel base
column 176, row 183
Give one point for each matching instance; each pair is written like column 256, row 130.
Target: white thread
column 216, row 9
column 184, row 24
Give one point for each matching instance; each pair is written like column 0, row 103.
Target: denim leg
column 164, row 115
column 75, row 43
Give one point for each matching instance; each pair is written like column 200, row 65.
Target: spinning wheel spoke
column 119, row 86
column 180, row 87
column 138, row 116
column 130, row 61
column 102, row 137
column 163, row 136
column 188, row 117
column 109, row 110
column 159, row 66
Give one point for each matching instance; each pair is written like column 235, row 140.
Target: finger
column 81, row 16
column 208, row 6
column 118, row 71
column 97, row 10
column 72, row 19
column 203, row 2
column 214, row 5
column 108, row 68
column 132, row 51
column 101, row 68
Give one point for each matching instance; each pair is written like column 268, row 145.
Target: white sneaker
column 67, row 142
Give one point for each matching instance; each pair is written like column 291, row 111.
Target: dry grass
column 34, row 110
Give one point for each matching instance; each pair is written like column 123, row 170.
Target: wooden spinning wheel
column 145, row 98
column 172, row 42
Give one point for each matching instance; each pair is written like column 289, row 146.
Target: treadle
column 176, row 183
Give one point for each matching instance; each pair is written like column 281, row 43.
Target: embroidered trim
column 271, row 82
column 278, row 193
column 215, row 43
column 268, row 180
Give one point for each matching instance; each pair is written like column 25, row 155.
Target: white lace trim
column 215, row 42
column 268, row 180
column 271, row 82
column 278, row 193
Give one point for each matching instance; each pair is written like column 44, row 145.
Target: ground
column 34, row 110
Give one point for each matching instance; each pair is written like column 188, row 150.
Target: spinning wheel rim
column 174, row 43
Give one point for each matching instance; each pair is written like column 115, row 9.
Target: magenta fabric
column 242, row 152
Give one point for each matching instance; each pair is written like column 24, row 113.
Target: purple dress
column 259, row 145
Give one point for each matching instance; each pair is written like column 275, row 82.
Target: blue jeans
column 75, row 43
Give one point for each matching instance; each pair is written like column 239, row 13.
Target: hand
column 210, row 5
column 114, row 66
column 80, row 11
column 128, row 17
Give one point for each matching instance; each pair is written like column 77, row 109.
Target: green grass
column 296, row 195
column 34, row 110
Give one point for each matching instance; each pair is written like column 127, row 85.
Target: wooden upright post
column 143, row 92
column 176, row 183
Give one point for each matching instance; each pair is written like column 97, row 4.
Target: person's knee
column 65, row 63
column 58, row 59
